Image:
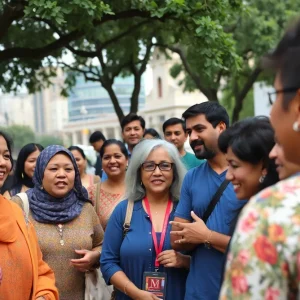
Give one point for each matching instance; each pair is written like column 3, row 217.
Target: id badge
column 155, row 283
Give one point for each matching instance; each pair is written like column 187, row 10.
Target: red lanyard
column 159, row 248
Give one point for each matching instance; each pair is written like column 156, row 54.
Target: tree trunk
column 115, row 102
column 212, row 95
column 240, row 97
column 134, row 100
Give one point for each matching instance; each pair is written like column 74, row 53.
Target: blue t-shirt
column 199, row 186
column 136, row 253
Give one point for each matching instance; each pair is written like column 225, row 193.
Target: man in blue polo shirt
column 207, row 242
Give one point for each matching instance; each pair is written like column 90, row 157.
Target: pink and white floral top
column 264, row 257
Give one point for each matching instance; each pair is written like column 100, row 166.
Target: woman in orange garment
column 23, row 273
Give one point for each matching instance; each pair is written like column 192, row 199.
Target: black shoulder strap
column 215, row 199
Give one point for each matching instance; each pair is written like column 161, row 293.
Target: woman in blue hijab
column 68, row 229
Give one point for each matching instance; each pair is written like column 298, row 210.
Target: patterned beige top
column 106, row 203
column 84, row 232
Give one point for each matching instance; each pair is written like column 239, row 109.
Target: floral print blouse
column 264, row 257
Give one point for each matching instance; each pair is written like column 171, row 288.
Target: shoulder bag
column 24, row 198
column 95, row 286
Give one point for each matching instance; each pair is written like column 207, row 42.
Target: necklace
column 60, row 228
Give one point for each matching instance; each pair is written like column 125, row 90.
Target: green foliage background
column 22, row 135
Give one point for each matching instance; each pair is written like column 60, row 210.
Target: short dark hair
column 72, row 148
column 130, row 118
column 9, row 143
column 252, row 140
column 173, row 121
column 285, row 60
column 114, row 142
column 213, row 111
column 97, row 136
column 20, row 177
column 152, row 132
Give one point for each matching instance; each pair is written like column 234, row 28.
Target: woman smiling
column 25, row 167
column 247, row 145
column 153, row 182
column 67, row 226
column 106, row 195
column 264, row 257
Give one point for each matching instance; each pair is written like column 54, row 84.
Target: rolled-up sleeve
column 113, row 238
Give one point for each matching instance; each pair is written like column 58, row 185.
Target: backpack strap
column 24, row 198
column 128, row 216
column 215, row 199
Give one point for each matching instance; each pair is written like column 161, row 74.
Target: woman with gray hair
column 142, row 264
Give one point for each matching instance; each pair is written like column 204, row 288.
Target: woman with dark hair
column 67, row 226
column 23, row 273
column 151, row 133
column 24, row 171
column 106, row 195
column 264, row 256
column 247, row 145
column 81, row 161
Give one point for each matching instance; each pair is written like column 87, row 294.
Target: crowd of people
column 156, row 221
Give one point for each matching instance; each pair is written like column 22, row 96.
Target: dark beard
column 205, row 153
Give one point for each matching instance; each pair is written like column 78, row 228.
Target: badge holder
column 155, row 283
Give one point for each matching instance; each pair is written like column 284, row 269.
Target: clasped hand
column 87, row 262
column 170, row 259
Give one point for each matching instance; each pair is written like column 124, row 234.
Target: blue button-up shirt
column 136, row 253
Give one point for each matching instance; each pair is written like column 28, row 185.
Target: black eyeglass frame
column 157, row 165
column 287, row 90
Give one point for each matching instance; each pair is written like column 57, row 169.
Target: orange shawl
column 12, row 222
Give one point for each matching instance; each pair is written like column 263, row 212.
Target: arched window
column 159, row 87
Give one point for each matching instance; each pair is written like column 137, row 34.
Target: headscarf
column 44, row 207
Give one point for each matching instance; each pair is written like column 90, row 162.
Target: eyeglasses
column 150, row 166
column 273, row 95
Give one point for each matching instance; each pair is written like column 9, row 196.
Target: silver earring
column 141, row 183
column 262, row 178
column 296, row 127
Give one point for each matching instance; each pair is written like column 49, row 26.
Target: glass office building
column 89, row 100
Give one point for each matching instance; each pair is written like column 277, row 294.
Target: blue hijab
column 44, row 207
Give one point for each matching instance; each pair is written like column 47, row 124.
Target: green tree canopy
column 254, row 31
column 20, row 135
column 219, row 42
column 120, row 35
column 47, row 140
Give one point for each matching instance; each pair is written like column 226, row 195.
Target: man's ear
column 222, row 126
